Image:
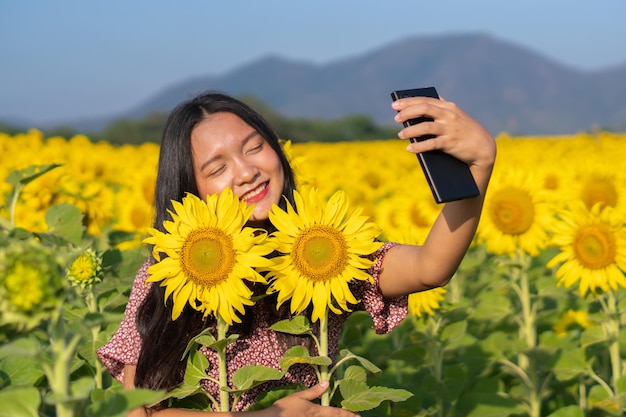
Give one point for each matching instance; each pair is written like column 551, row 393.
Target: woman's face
column 227, row 152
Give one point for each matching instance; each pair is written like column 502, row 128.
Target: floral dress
column 261, row 346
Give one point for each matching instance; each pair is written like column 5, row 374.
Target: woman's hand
column 410, row 268
column 299, row 405
column 455, row 131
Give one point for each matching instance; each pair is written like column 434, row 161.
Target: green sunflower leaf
column 345, row 354
column 359, row 397
column 220, row 345
column 593, row 335
column 600, row 399
column 204, row 338
column 300, row 354
column 112, row 403
column 250, row 376
column 488, row 404
column 266, row 399
column 351, row 388
column 569, row 411
column 298, row 325
column 197, row 365
column 207, row 340
column 355, row 373
column 21, row 370
column 20, row 402
column 65, row 220
column 21, row 177
column 571, row 363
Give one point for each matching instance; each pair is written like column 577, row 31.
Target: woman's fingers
column 314, row 392
column 299, row 404
column 452, row 130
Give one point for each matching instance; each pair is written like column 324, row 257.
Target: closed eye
column 256, row 148
column 216, row 171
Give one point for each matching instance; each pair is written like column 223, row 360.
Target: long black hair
column 164, row 340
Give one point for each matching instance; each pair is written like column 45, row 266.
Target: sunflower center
column 551, row 182
column 207, row 256
column 25, row 285
column 512, row 211
column 595, row 247
column 417, row 218
column 599, row 190
column 138, row 218
column 373, row 179
column 320, row 253
column 84, row 269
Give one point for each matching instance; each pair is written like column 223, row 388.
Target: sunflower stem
column 613, row 329
column 528, row 333
column 221, row 353
column 436, row 352
column 323, row 351
column 92, row 306
column 59, row 374
column 16, row 195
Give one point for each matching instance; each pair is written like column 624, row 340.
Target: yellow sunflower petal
column 336, row 209
column 209, row 252
column 320, row 301
column 324, row 246
column 283, row 221
column 180, row 300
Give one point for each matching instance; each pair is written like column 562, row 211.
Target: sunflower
column 517, row 216
column 572, row 319
column 426, row 302
column 324, row 247
column 31, row 287
column 86, row 269
column 415, row 211
column 208, row 253
column 593, row 248
column 597, row 188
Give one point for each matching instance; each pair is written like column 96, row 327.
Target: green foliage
column 345, row 129
column 10, row 129
column 491, row 350
column 473, row 359
column 350, row 391
column 50, row 330
column 147, row 129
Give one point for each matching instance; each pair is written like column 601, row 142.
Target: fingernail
column 324, row 384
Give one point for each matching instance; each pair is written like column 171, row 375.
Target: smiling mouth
column 251, row 194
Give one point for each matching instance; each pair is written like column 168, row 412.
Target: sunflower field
column 533, row 324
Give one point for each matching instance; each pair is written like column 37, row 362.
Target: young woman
column 214, row 141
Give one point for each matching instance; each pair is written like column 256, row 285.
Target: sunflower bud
column 86, row 269
column 30, row 284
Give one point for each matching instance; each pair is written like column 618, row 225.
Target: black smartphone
column 449, row 178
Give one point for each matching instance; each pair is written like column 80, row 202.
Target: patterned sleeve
column 386, row 312
column 123, row 347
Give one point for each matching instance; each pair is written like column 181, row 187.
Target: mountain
column 504, row 86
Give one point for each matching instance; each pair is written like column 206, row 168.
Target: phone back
column 449, row 178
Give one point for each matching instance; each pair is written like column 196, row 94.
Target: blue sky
column 68, row 59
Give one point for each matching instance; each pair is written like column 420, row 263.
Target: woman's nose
column 245, row 172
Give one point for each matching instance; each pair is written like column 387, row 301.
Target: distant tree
column 63, row 131
column 346, row 129
column 10, row 129
column 148, row 129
